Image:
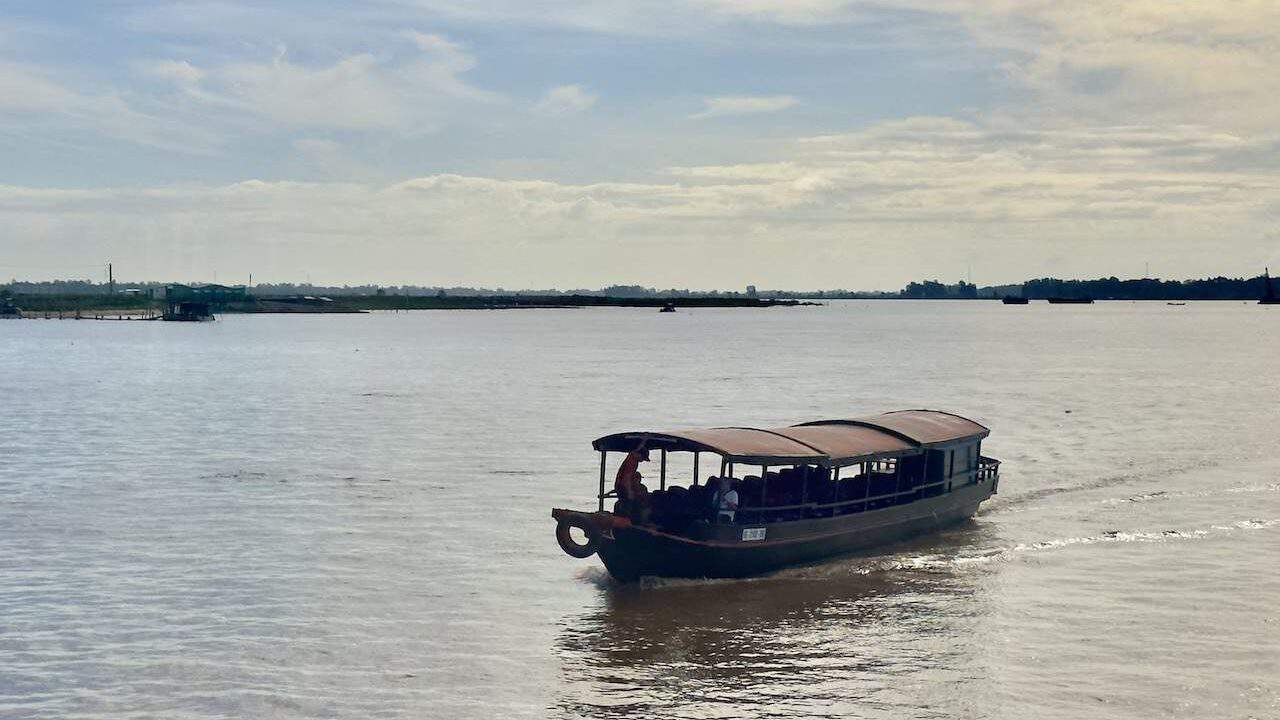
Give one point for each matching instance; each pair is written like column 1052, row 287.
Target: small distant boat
column 187, row 312
column 1268, row 293
column 1070, row 301
column 1014, row 300
column 9, row 310
column 815, row 490
column 669, row 307
column 1178, row 304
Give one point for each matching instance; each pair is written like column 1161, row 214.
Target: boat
column 669, row 307
column 1070, row 301
column 187, row 312
column 806, row 492
column 1014, row 300
column 1268, row 293
column 1176, row 304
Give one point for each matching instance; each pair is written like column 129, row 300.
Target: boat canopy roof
column 821, row 442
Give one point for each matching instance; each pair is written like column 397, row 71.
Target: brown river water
column 348, row 517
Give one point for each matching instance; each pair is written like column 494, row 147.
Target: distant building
column 186, row 301
column 751, row 291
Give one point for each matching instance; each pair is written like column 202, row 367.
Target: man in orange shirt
column 633, row 496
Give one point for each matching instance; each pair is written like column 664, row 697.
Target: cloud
column 743, row 105
column 32, row 99
column 842, row 211
column 349, row 94
column 358, row 92
column 564, row 100
column 24, row 88
column 1159, row 60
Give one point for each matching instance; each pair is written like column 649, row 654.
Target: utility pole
column 111, row 280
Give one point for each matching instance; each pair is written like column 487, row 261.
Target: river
column 348, row 516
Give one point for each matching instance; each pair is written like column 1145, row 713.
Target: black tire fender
column 585, row 550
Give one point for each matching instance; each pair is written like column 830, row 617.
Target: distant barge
column 905, row 473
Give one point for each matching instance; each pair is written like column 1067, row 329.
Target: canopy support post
column 695, row 467
column 866, row 473
column 662, row 474
column 835, row 482
column 764, row 488
column 603, row 453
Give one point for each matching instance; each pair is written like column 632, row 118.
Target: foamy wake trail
column 938, row 561
column 1166, row 495
column 1013, row 503
column 941, row 561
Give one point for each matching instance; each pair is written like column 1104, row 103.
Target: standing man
column 633, row 496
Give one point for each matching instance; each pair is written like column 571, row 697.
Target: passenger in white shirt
column 726, row 502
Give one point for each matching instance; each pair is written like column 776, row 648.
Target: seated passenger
column 726, row 502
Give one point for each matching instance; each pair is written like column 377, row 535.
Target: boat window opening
column 807, row 491
column 803, row 491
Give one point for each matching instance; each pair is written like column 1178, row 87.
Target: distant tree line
column 934, row 290
column 1218, row 288
column 1111, row 288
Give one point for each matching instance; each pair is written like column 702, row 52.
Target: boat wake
column 978, row 557
column 1167, row 495
column 1015, row 503
column 939, row 562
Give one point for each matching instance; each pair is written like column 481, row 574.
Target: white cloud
column 26, row 89
column 31, row 98
column 1158, row 60
column 361, row 91
column 564, row 100
column 179, row 72
column 349, row 94
column 842, row 211
column 743, row 105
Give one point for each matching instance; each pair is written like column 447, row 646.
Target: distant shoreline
column 91, row 306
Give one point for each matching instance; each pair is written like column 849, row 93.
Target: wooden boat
column 905, row 473
column 1070, row 301
column 1014, row 300
column 187, row 312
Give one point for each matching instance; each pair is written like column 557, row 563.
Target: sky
column 691, row 143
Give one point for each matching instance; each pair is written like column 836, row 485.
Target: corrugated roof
column 922, row 427
column 825, row 442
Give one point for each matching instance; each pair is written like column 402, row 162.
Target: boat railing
column 988, row 468
column 835, row 506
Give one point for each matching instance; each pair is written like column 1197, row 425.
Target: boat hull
column 632, row 552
